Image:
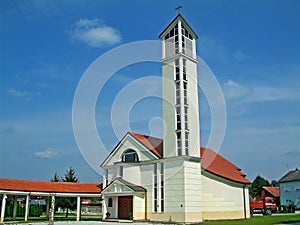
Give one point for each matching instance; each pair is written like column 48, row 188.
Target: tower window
column 186, row 117
column 179, row 152
column 177, row 93
column 130, row 156
column 178, row 126
column 184, row 69
column 187, row 143
column 185, row 93
column 177, row 70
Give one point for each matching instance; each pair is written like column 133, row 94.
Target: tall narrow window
column 186, row 143
column 162, row 185
column 179, row 152
column 184, row 69
column 120, row 171
column 110, row 202
column 106, row 177
column 177, row 70
column 155, row 188
column 183, row 45
column 186, row 117
column 178, row 125
column 176, row 39
column 177, row 93
column 185, row 93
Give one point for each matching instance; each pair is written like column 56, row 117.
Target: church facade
column 173, row 180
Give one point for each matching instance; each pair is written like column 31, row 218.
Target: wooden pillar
column 15, row 206
column 27, row 208
column 78, row 208
column 3, row 207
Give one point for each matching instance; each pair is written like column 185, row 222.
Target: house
column 273, row 192
column 173, row 180
column 290, row 188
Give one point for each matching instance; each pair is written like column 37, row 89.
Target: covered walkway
column 15, row 188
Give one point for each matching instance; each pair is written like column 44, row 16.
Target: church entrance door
column 125, row 206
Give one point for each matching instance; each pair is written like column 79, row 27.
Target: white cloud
column 212, row 49
column 18, row 93
column 47, row 154
column 240, row 56
column 234, row 90
column 94, row 33
column 9, row 130
column 273, row 94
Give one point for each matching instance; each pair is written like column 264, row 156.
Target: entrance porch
column 124, row 200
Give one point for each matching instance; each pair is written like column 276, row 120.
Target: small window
column 130, row 156
column 110, row 202
column 286, row 188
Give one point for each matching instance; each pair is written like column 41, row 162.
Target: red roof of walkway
column 57, row 187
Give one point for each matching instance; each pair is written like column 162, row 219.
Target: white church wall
column 192, row 186
column 139, row 204
column 131, row 173
column 223, row 200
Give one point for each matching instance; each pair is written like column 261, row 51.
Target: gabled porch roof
column 120, row 185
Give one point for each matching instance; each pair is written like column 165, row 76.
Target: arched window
column 130, row 156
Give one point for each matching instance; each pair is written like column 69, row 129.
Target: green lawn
column 258, row 220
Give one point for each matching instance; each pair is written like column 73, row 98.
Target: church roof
column 51, row 187
column 211, row 161
column 155, row 145
column 216, row 164
column 174, row 21
column 293, row 175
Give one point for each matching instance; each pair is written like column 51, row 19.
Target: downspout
column 244, row 200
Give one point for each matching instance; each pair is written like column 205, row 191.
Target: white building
column 172, row 179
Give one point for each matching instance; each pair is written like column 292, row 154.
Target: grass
column 258, row 220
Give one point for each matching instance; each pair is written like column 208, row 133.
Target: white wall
column 223, row 200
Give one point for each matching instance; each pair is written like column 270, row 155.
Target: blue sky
column 252, row 47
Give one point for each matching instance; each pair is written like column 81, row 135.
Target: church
column 173, row 179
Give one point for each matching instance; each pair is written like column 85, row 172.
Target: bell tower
column 180, row 90
column 181, row 146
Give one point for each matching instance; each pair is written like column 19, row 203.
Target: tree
column 256, row 186
column 70, row 176
column 67, row 202
column 55, row 178
column 274, row 183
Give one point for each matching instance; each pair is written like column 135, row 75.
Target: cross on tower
column 178, row 8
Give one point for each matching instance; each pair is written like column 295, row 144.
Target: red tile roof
column 211, row 161
column 216, row 164
column 155, row 145
column 56, row 187
column 273, row 191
